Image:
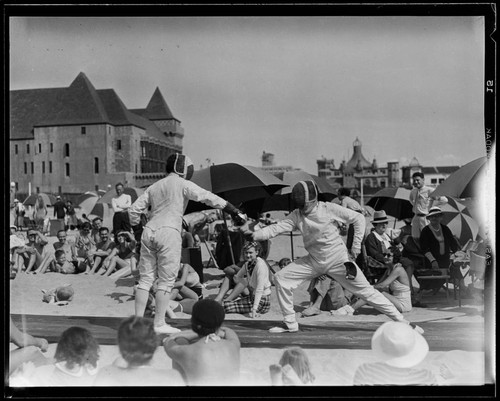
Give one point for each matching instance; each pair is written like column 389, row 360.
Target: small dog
column 61, row 296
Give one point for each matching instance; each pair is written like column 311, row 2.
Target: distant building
column 77, row 138
column 433, row 175
column 359, row 170
column 268, row 164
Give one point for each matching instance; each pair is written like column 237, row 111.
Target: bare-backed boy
column 208, row 354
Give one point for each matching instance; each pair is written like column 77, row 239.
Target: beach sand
column 103, row 296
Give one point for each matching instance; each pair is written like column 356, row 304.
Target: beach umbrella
column 47, row 199
column 459, row 220
column 99, row 192
column 465, row 182
column 395, row 201
column 281, row 200
column 86, row 202
column 236, row 183
column 132, row 191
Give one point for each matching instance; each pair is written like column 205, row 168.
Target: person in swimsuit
column 394, row 285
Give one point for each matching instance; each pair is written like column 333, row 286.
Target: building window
column 37, row 190
column 51, row 147
column 96, row 165
column 60, row 190
column 50, row 167
column 136, row 168
column 16, row 150
column 28, row 148
column 97, row 188
column 25, row 168
column 119, row 144
column 66, row 150
column 43, row 167
column 434, row 180
column 84, row 130
column 67, row 169
column 32, row 168
column 441, row 180
column 39, row 148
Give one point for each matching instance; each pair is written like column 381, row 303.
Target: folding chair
column 422, row 272
column 212, row 258
column 437, row 274
column 476, row 271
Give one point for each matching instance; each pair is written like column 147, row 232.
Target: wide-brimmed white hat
column 434, row 211
column 398, row 344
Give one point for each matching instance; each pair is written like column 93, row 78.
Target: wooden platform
column 441, row 336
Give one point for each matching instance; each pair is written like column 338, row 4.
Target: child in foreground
column 137, row 343
column 293, row 368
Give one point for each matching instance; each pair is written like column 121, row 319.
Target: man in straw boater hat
column 378, row 244
column 165, row 202
column 398, row 350
column 327, row 253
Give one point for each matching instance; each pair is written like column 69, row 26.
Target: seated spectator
column 294, row 368
column 377, row 245
column 75, row 364
column 85, row 248
column 437, row 243
column 35, row 254
column 394, row 285
column 103, row 249
column 253, row 278
column 196, row 223
column 137, row 342
column 61, row 265
column 187, row 285
column 16, row 243
column 29, row 349
column 63, row 245
column 228, row 282
column 122, row 257
column 399, row 349
column 192, row 351
column 187, row 237
column 96, row 227
column 325, row 294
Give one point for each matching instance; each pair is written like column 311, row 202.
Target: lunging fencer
column 327, row 253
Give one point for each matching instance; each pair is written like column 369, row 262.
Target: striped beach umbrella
column 86, row 202
column 459, row 220
column 102, row 210
column 47, row 199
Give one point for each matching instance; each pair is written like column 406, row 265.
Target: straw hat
column 398, row 344
column 434, row 211
column 379, row 216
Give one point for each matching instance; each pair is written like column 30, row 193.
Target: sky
column 302, row 88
